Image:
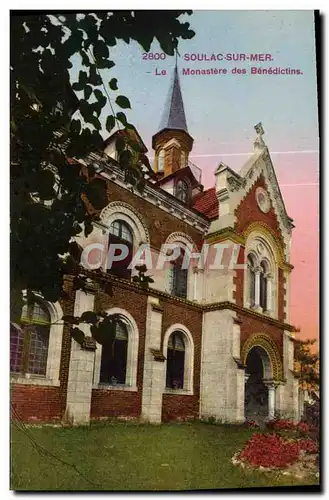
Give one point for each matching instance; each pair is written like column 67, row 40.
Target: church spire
column 172, row 143
column 173, row 117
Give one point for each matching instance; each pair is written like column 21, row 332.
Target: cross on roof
column 259, row 142
column 259, row 129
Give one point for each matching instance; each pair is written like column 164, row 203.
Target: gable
column 249, row 211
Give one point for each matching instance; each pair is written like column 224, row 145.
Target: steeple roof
column 174, row 114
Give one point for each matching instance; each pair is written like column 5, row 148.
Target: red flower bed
column 282, row 425
column 270, row 450
column 308, row 445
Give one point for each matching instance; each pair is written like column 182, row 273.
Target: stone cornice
column 109, row 169
column 227, row 233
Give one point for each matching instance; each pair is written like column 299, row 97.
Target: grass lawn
column 127, row 456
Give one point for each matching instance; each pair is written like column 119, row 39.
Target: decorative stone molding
column 132, row 348
column 179, row 237
column 265, row 342
column 54, row 351
column 108, row 166
column 189, row 353
column 115, row 209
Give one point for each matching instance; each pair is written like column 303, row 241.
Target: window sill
column 118, row 387
column 34, row 380
column 180, row 392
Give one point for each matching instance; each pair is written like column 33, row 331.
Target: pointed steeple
column 173, row 117
column 172, row 143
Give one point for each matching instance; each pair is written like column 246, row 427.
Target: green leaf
column 89, row 317
column 77, row 86
column 110, row 123
column 78, row 335
column 72, row 320
column 113, row 84
column 123, row 102
column 122, row 118
column 120, row 144
column 76, row 126
column 87, row 92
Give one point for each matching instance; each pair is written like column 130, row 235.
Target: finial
column 259, row 142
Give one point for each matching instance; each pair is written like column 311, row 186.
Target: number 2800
column 154, row 55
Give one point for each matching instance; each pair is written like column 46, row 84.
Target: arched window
column 120, row 234
column 182, row 191
column 178, row 277
column 251, row 280
column 161, row 160
column 183, row 159
column 29, row 343
column 114, row 357
column 263, row 285
column 175, row 361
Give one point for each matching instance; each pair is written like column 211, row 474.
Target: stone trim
column 132, row 349
column 34, row 380
column 51, row 378
column 225, row 234
column 189, row 354
column 191, row 304
column 152, row 194
column 126, row 388
column 129, row 214
column 265, row 342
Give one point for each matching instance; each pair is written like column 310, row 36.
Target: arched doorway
column 258, row 373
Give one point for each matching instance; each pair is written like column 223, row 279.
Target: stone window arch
column 123, row 375
column 261, row 275
column 178, row 349
column 119, row 213
column 36, row 343
column 120, row 233
column 179, row 279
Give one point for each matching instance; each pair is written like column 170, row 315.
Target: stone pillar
column 81, row 367
column 271, row 399
column 257, row 289
column 154, row 373
column 269, row 305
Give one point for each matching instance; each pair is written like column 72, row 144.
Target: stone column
column 257, row 289
column 154, row 374
column 269, row 305
column 81, row 367
column 271, row 399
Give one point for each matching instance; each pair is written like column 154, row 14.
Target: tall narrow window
column 263, row 286
column 175, row 361
column 178, row 277
column 120, row 233
column 251, row 280
column 182, row 191
column 29, row 342
column 114, row 357
column 183, row 159
column 161, row 160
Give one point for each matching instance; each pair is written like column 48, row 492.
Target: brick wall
column 183, row 406
column 122, row 403
column 42, row 403
column 252, row 325
column 151, row 214
column 248, row 211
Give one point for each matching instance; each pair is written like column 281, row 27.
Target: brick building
column 207, row 341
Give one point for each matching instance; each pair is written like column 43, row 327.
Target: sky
column 222, row 109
